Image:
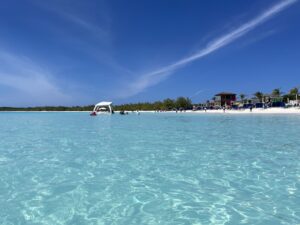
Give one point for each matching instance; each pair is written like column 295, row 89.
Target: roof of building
column 225, row 93
column 103, row 103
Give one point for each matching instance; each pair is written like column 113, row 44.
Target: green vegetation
column 49, row 108
column 276, row 92
column 292, row 95
column 259, row 95
column 294, row 91
column 167, row 104
column 242, row 97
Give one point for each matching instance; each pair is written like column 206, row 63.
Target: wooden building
column 224, row 99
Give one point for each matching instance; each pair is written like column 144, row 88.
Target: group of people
column 122, row 112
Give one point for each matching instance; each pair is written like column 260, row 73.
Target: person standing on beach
column 223, row 108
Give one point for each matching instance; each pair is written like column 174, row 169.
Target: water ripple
column 68, row 168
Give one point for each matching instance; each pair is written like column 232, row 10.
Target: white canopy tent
column 99, row 106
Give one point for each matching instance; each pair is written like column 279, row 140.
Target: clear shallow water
column 70, row 168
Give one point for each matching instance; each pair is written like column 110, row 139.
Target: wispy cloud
column 96, row 36
column 161, row 74
column 197, row 93
column 97, row 31
column 27, row 82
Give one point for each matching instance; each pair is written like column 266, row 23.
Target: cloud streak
column 97, row 31
column 161, row 74
column 27, row 82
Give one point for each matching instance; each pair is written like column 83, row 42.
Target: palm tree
column 242, row 97
column 259, row 95
column 276, row 92
column 294, row 92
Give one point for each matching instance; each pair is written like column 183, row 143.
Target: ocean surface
column 168, row 169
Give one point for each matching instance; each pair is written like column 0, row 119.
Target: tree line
column 293, row 94
column 181, row 103
column 49, row 108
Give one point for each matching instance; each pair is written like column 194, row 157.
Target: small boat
column 102, row 108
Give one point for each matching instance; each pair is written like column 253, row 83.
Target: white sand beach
column 254, row 111
column 294, row 110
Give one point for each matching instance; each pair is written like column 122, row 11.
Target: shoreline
column 210, row 111
column 254, row 111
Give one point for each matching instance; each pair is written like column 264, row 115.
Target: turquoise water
column 169, row 169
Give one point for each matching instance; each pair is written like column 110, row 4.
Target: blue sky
column 76, row 52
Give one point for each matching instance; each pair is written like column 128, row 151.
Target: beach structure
column 293, row 103
column 252, row 102
column 224, row 99
column 273, row 101
column 256, row 102
column 102, row 108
